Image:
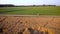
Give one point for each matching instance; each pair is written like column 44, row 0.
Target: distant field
column 42, row 10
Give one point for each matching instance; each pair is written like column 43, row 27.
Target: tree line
column 11, row 5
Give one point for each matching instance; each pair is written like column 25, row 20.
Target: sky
column 31, row 2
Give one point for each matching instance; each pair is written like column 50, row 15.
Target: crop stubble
column 24, row 25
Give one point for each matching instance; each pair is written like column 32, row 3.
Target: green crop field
column 42, row 10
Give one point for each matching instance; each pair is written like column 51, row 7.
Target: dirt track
column 30, row 24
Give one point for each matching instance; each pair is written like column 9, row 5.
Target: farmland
column 30, row 20
column 41, row 10
column 30, row 24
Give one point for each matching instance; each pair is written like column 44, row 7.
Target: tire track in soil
column 18, row 20
column 1, row 22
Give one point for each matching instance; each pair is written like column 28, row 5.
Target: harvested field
column 29, row 25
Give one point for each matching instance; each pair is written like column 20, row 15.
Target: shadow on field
column 3, row 12
column 34, row 31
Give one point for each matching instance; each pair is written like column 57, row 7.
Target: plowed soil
column 30, row 24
